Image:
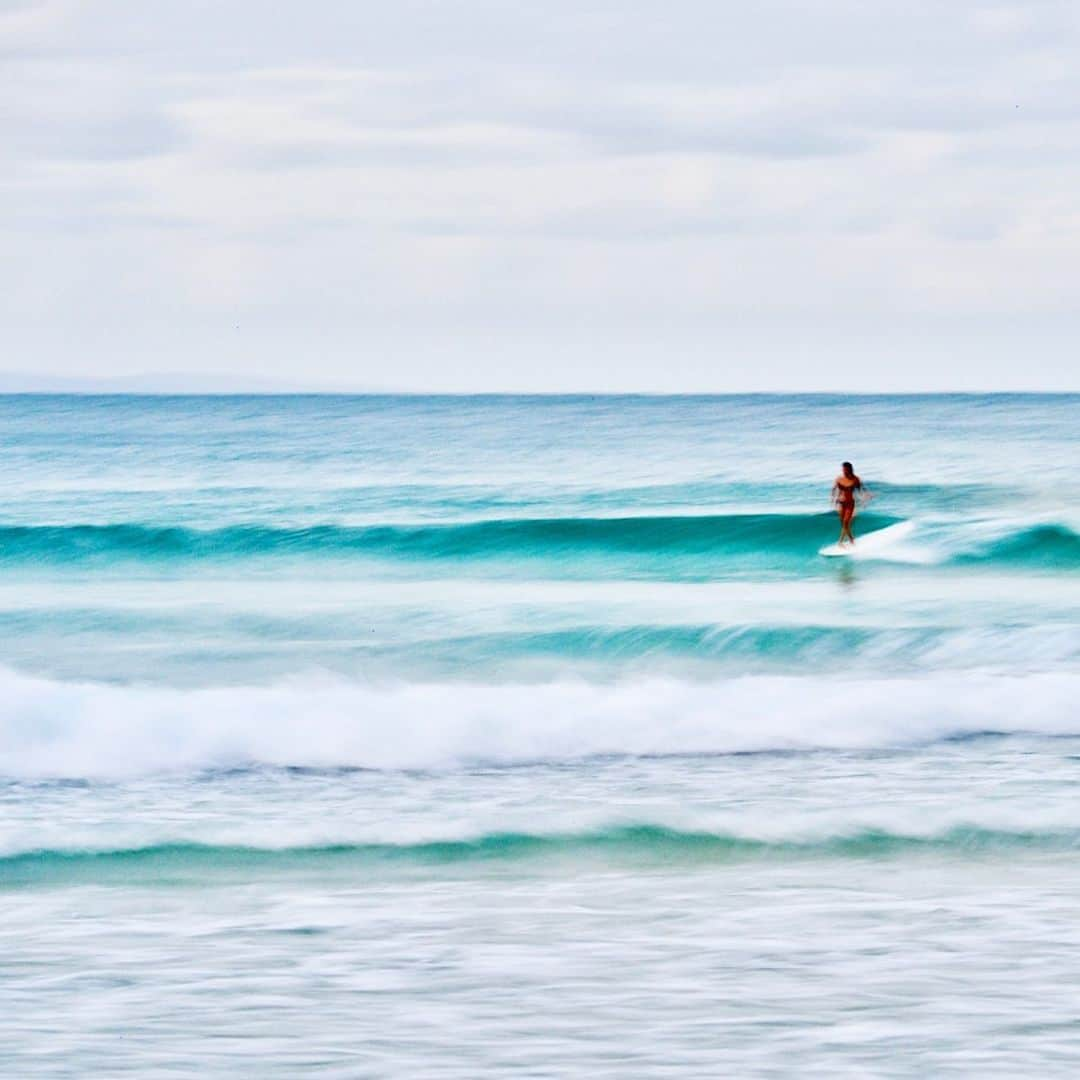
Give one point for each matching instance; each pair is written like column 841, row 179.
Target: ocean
column 468, row 737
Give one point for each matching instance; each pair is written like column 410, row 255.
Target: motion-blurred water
column 464, row 737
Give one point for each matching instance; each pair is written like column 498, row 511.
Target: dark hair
column 847, row 467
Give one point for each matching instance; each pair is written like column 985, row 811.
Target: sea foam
column 87, row 730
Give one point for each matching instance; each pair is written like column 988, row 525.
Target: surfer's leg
column 846, row 514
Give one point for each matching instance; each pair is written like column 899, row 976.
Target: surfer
column 843, row 496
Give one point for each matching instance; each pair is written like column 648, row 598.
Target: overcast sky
column 569, row 195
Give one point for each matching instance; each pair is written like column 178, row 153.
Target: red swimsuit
column 846, row 498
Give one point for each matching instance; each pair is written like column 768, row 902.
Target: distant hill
column 169, row 383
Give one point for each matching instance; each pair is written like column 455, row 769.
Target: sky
column 482, row 195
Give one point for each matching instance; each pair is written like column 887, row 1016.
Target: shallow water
column 484, row 737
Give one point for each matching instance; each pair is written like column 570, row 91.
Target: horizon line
column 270, row 393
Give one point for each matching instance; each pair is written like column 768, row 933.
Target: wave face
column 636, row 844
column 1054, row 546
column 511, row 538
column 774, row 538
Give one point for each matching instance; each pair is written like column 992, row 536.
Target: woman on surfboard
column 843, row 496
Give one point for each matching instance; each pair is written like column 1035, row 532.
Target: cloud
column 386, row 178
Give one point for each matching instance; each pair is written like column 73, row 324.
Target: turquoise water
column 464, row 737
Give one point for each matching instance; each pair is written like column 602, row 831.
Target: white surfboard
column 872, row 543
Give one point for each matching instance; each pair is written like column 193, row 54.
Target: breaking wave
column 90, row 730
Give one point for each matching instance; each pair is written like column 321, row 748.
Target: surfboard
column 872, row 543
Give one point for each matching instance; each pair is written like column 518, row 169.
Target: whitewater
column 488, row 736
